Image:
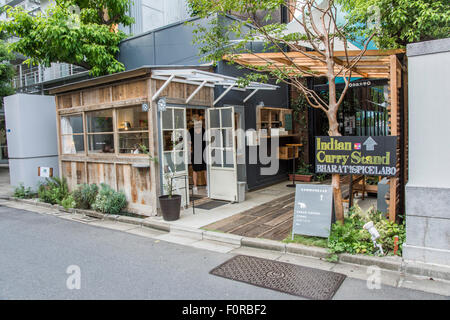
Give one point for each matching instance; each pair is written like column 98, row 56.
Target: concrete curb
column 388, row 263
column 222, row 237
column 263, row 244
column 426, row 270
column 301, row 249
column 193, row 233
column 161, row 226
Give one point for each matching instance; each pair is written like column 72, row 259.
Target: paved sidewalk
column 224, row 243
column 253, row 199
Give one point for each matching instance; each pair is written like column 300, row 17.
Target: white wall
column 32, row 137
column 429, row 119
column 159, row 13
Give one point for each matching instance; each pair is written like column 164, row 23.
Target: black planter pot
column 170, row 207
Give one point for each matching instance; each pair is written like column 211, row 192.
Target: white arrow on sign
column 370, row 144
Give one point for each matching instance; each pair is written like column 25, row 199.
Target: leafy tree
column 400, row 21
column 79, row 32
column 320, row 31
column 6, row 70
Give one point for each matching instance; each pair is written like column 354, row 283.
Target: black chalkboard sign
column 313, row 210
column 360, row 155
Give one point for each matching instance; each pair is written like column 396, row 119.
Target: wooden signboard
column 357, row 155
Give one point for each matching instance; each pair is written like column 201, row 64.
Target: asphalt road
column 37, row 249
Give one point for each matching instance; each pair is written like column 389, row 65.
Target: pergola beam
column 373, row 64
column 354, row 69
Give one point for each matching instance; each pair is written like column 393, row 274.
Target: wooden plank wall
column 177, row 93
column 116, row 171
column 134, row 182
column 103, row 97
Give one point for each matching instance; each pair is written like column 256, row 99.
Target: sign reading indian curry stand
column 358, row 155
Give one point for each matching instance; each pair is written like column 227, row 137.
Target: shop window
column 100, row 133
column 72, row 134
column 132, row 124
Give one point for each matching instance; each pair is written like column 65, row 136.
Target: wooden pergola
column 374, row 64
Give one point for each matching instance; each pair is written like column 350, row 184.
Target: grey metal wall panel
column 174, row 46
column 138, row 52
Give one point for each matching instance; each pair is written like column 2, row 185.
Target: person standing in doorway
column 198, row 146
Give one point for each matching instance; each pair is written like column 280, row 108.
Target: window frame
column 113, row 133
column 118, row 132
column 62, row 135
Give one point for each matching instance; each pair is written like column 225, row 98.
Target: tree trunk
column 336, row 179
column 338, row 206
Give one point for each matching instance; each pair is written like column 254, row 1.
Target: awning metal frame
column 205, row 79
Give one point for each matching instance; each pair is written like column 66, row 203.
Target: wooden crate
column 287, row 152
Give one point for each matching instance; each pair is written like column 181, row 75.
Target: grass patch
column 308, row 241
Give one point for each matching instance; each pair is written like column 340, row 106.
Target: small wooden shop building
column 104, row 122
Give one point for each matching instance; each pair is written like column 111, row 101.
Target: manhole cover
column 280, row 276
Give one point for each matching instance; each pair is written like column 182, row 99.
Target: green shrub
column 23, row 193
column 352, row 238
column 53, row 190
column 68, row 202
column 109, row 200
column 388, row 230
column 84, row 196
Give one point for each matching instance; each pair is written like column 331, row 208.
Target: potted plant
column 303, row 172
column 170, row 203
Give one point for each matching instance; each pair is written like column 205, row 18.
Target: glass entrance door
column 174, row 153
column 222, row 154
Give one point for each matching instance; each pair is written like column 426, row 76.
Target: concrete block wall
column 428, row 189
